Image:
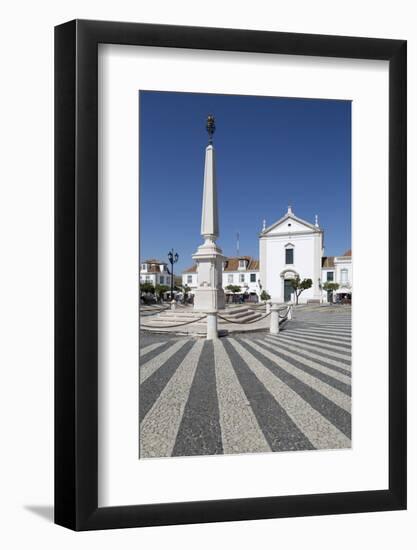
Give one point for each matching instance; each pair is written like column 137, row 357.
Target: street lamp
column 173, row 259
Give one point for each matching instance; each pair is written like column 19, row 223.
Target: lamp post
column 173, row 259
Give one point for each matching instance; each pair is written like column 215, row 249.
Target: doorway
column 288, row 290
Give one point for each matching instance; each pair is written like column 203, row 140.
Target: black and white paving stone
column 251, row 392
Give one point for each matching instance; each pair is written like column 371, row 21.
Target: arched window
column 289, row 254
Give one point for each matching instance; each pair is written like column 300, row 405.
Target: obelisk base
column 208, row 299
column 209, row 294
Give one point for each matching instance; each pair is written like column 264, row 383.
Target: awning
column 344, row 290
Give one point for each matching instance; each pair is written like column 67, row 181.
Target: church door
column 288, row 290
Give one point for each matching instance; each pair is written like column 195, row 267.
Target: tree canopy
column 160, row 289
column 265, row 296
column 147, row 287
column 329, row 286
column 234, row 288
column 300, row 285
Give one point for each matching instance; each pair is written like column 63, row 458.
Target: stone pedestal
column 209, row 294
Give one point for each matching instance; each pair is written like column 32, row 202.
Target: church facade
column 292, row 247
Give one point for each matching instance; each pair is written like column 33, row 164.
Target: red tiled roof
column 192, row 269
column 232, row 264
column 348, row 253
column 153, row 261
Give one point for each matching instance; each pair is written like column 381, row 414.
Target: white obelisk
column 209, row 294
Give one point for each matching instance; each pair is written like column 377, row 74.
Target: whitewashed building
column 338, row 269
column 189, row 277
column 154, row 272
column 292, row 247
column 240, row 271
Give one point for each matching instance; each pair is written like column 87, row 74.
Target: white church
column 293, row 247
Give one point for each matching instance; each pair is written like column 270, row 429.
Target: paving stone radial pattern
column 248, row 393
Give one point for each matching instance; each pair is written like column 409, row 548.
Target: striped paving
column 341, row 339
column 248, row 393
column 319, row 431
column 273, row 343
column 147, row 349
column 160, row 425
column 239, row 426
column 321, row 356
column 306, row 343
column 151, row 366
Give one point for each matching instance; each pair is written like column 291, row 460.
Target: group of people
column 148, row 298
column 241, row 298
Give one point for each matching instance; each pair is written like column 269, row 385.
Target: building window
column 289, row 255
column 230, row 279
column 253, row 277
column 241, row 278
column 189, row 279
column 343, row 276
column 330, row 276
column 242, row 264
column 161, row 279
column 148, row 277
column 143, row 267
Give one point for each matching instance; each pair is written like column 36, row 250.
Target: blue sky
column 270, row 152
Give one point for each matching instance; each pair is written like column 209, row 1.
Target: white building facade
column 154, row 272
column 242, row 271
column 292, row 247
column 288, row 248
column 343, row 274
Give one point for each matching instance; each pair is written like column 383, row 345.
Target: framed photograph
column 230, row 255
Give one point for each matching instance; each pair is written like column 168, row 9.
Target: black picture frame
column 76, row 272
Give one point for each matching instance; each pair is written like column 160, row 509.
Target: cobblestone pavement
column 249, row 393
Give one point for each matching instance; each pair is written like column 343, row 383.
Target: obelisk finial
column 210, row 127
